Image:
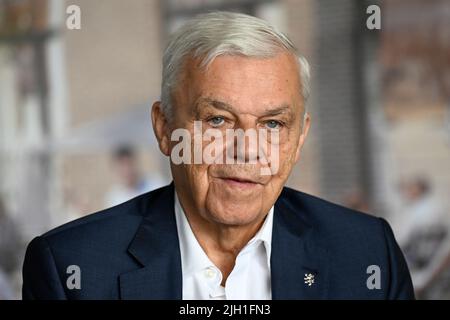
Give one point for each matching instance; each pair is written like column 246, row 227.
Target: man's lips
column 240, row 181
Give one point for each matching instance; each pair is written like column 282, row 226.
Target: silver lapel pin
column 309, row 279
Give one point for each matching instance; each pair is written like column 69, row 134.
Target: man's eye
column 216, row 121
column 272, row 124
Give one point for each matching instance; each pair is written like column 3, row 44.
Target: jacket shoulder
column 325, row 212
column 336, row 226
column 354, row 241
column 120, row 219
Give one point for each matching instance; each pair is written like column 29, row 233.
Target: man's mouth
column 240, row 182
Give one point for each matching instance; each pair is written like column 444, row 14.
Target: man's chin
column 233, row 221
column 229, row 196
column 234, row 214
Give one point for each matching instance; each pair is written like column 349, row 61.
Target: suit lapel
column 155, row 246
column 296, row 253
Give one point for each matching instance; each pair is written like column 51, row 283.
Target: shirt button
column 210, row 273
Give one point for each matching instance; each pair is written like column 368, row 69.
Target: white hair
column 210, row 35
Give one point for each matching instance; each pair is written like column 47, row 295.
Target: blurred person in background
column 436, row 283
column 421, row 209
column 131, row 182
column 423, row 231
column 10, row 251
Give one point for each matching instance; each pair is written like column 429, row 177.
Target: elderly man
column 225, row 228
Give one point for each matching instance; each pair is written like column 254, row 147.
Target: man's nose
column 245, row 143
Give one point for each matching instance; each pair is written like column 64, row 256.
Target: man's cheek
column 199, row 175
column 286, row 160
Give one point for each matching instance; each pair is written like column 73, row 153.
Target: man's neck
column 221, row 243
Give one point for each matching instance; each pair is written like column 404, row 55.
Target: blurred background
column 76, row 137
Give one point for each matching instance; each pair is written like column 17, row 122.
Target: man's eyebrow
column 217, row 104
column 283, row 109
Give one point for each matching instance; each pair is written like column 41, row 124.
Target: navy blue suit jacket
column 131, row 251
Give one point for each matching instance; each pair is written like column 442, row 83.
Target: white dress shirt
column 250, row 277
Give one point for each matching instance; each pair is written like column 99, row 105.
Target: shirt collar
column 265, row 234
column 193, row 256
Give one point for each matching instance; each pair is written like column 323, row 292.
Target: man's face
column 235, row 92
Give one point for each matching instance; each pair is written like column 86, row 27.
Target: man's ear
column 303, row 135
column 161, row 128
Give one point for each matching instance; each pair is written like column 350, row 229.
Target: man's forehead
column 244, row 84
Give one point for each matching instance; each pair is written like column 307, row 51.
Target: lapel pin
column 309, row 279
